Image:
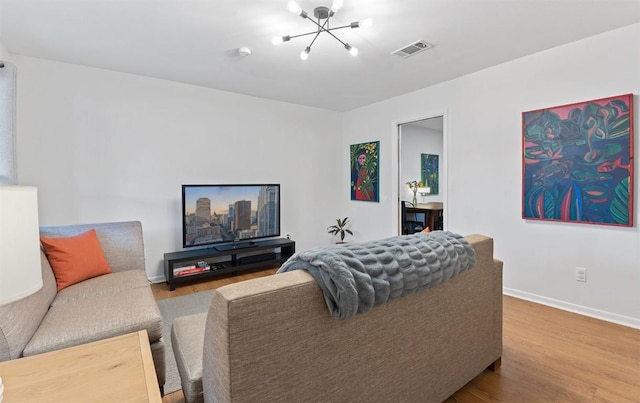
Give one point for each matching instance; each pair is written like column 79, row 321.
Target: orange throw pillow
column 426, row 230
column 76, row 258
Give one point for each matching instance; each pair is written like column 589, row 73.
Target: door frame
column 397, row 139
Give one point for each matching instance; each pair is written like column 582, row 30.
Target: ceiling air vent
column 412, row 49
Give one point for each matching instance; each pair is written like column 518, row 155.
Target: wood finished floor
column 549, row 355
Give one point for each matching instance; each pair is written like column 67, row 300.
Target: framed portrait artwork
column 365, row 160
column 577, row 162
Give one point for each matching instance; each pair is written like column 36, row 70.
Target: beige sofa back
column 273, row 339
column 121, row 242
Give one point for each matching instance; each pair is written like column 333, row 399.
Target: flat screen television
column 229, row 214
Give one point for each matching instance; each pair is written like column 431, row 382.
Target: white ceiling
column 196, row 41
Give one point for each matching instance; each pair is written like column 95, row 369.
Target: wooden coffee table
column 119, row 369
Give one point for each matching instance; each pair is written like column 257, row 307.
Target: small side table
column 119, row 369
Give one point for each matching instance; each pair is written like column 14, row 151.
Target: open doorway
column 421, row 175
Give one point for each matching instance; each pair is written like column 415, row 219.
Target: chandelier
column 323, row 16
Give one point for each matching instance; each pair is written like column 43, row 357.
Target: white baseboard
column 579, row 309
column 157, row 279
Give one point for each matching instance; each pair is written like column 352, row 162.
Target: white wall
column 3, row 51
column 105, row 146
column 483, row 129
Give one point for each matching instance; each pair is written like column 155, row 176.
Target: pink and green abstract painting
column 577, row 163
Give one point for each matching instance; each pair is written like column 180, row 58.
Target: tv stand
column 234, row 246
column 225, row 259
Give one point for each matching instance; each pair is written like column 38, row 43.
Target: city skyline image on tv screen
column 227, row 213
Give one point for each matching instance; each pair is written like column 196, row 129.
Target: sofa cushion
column 103, row 286
column 187, row 340
column 75, row 259
column 83, row 320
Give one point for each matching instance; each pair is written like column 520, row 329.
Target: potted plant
column 340, row 228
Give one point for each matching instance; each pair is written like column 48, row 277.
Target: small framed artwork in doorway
column 429, row 172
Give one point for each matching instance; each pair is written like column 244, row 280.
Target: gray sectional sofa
column 272, row 339
column 94, row 309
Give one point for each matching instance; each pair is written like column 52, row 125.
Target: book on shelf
column 193, row 269
column 187, row 272
column 179, row 269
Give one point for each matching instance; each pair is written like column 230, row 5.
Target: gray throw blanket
column 355, row 277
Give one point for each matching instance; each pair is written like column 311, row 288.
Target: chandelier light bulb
column 294, row 7
column 352, row 49
column 337, row 5
column 305, row 53
column 366, row 23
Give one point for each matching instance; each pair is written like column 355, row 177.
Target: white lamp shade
column 20, row 272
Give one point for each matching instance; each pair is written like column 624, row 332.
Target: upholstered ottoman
column 187, row 339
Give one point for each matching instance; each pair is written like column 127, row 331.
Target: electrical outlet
column 581, row 274
column 288, row 235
